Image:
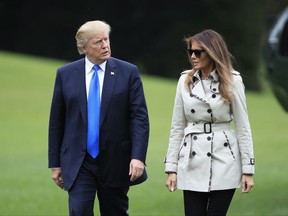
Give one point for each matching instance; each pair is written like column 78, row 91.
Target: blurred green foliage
column 27, row 189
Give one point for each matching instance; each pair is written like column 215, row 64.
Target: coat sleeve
column 139, row 119
column 56, row 124
column 177, row 130
column 242, row 125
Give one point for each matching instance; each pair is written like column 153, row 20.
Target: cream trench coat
column 203, row 150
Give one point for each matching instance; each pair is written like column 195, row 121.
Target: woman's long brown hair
column 215, row 46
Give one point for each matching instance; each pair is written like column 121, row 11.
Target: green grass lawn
column 26, row 188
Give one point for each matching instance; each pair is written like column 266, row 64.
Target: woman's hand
column 247, row 183
column 171, row 182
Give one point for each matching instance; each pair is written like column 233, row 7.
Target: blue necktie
column 93, row 114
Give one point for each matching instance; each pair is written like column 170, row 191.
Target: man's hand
column 57, row 177
column 136, row 169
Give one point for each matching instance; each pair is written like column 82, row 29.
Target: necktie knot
column 96, row 68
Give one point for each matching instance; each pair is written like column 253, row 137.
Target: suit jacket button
column 209, row 154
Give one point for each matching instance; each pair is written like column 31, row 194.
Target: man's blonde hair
column 89, row 29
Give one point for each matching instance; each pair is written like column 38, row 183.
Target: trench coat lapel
column 198, row 89
column 198, row 92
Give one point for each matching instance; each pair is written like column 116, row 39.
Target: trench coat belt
column 206, row 127
column 197, row 128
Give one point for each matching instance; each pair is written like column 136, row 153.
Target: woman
column 206, row 158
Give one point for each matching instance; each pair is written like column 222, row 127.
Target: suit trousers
column 214, row 203
column 112, row 201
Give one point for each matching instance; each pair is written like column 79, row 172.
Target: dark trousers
column 112, row 201
column 214, row 203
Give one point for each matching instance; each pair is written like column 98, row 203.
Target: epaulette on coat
column 236, row 73
column 185, row 72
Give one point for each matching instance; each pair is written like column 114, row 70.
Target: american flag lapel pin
column 112, row 73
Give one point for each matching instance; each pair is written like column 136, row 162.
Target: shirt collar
column 213, row 75
column 89, row 66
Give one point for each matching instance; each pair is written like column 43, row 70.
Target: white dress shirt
column 88, row 75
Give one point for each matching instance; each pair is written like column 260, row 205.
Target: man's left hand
column 136, row 169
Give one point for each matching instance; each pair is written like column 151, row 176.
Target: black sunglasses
column 196, row 52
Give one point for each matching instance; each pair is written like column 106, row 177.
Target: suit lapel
column 80, row 84
column 108, row 87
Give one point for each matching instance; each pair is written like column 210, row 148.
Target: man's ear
column 84, row 50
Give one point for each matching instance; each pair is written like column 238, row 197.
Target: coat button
column 185, row 144
column 192, row 111
column 209, row 110
column 214, row 89
column 193, row 153
column 194, row 137
column 225, row 144
column 213, row 95
column 209, row 154
column 208, row 138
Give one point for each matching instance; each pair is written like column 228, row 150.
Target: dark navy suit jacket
column 124, row 123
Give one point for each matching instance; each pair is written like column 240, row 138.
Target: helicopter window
column 284, row 41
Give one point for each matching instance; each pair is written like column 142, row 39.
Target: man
column 98, row 136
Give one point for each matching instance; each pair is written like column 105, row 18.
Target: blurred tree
column 242, row 24
column 163, row 26
column 272, row 11
column 149, row 33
